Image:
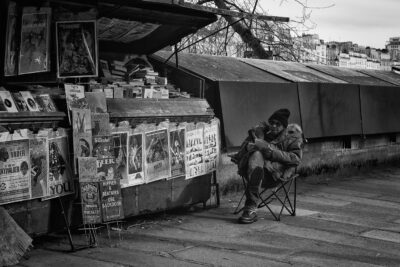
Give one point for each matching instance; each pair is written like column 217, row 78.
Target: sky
column 365, row 22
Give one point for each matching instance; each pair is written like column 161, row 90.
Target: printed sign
column 211, row 148
column 103, row 150
column 111, row 203
column 15, row 175
column 39, row 159
column 194, row 153
column 91, row 210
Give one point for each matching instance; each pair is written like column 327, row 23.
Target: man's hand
column 264, row 147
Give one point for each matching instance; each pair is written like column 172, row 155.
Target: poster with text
column 90, row 197
column 177, row 151
column 10, row 59
column 111, row 202
column 135, row 161
column 76, row 49
column 120, row 140
column 60, row 175
column 82, row 135
column 39, row 159
column 211, row 147
column 194, row 153
column 157, row 155
column 34, row 49
column 75, row 96
column 15, row 175
column 103, row 150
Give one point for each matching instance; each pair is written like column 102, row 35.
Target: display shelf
column 32, row 120
column 180, row 109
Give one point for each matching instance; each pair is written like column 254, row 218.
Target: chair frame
column 267, row 197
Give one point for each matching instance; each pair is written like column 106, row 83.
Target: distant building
column 393, row 46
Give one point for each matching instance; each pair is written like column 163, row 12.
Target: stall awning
column 292, row 71
column 348, row 75
column 218, row 68
column 387, row 76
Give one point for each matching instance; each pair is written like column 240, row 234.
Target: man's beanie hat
column 281, row 115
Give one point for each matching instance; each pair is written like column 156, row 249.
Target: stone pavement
column 352, row 221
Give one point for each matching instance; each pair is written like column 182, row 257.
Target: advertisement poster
column 82, row 134
column 10, row 59
column 177, row 151
column 135, row 161
column 60, row 177
column 157, row 157
column 75, row 96
column 91, row 210
column 100, row 124
column 34, row 49
column 87, row 169
column 103, row 150
column 120, row 140
column 39, row 159
column 211, row 147
column 15, row 175
column 111, row 203
column 76, row 49
column 194, row 153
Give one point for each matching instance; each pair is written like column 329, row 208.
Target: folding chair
column 281, row 192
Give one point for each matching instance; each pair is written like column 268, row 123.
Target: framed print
column 76, row 49
column 10, row 60
column 34, row 48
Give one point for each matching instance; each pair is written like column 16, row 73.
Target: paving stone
column 383, row 235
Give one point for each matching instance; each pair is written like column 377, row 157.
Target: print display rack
column 31, row 120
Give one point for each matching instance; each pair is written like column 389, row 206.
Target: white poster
column 194, row 153
column 15, row 174
column 157, row 155
column 211, row 147
column 135, row 161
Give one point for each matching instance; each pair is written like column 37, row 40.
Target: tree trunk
column 244, row 32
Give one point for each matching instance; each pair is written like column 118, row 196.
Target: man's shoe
column 248, row 216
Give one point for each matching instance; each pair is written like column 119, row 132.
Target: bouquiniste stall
column 87, row 124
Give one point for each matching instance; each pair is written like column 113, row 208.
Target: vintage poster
column 211, row 147
column 194, row 153
column 20, row 102
column 90, row 197
column 60, row 174
column 157, row 155
column 76, row 49
column 111, row 202
column 47, row 103
column 101, row 124
column 103, row 150
column 10, row 59
column 8, row 101
column 135, row 161
column 15, row 174
column 30, row 102
column 177, row 151
column 39, row 159
column 96, row 101
column 82, row 134
column 87, row 169
column 75, row 96
column 120, row 140
column 34, row 49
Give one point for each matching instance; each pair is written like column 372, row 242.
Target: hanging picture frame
column 10, row 59
column 34, row 46
column 77, row 52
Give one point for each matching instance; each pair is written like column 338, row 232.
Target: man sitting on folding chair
column 271, row 154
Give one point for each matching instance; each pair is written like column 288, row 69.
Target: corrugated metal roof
column 387, row 76
column 348, row 75
column 219, row 68
column 292, row 71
